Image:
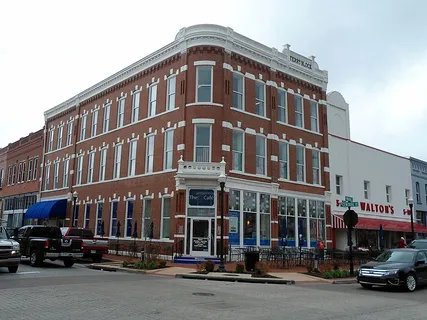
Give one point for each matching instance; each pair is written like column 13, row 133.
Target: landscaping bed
column 146, row 265
column 327, row 271
column 261, row 270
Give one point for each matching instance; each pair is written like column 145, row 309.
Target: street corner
column 235, row 277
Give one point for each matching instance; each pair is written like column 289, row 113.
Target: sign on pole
column 349, row 204
column 349, row 199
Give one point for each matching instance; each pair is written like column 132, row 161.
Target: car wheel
column 68, row 263
column 366, row 286
column 13, row 269
column 97, row 258
column 410, row 282
column 34, row 259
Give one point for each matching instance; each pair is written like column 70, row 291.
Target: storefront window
column 286, row 221
column 234, row 218
column 234, row 201
column 265, row 225
column 302, row 222
column 249, row 216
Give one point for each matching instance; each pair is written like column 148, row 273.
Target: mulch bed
column 230, row 273
column 319, row 275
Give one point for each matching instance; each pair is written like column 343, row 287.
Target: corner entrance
column 202, row 237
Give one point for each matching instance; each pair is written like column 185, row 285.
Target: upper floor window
column 56, row 175
column 70, row 132
column 1, row 177
column 284, row 160
column 66, row 169
column 260, row 98
column 299, row 111
column 106, row 124
column 30, row 170
column 132, row 158
column 120, row 112
column 202, row 152
column 170, row 103
column 90, row 167
column 417, row 192
column 135, row 106
column 117, row 161
column 300, row 163
column 60, row 134
column 282, row 106
column 314, row 116
column 238, row 148
column 168, row 149
column 166, row 214
column 366, row 189
column 102, row 164
column 388, row 193
column 152, row 100
column 14, row 174
column 407, row 193
column 51, row 134
column 79, row 169
column 94, row 122
column 149, row 159
column 204, row 80
column 83, row 127
column 238, row 91
column 9, row 176
column 315, row 160
column 36, row 167
column 338, row 184
column 261, row 155
column 47, row 177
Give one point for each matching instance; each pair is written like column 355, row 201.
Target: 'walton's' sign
column 373, row 207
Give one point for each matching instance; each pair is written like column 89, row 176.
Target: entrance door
column 200, row 237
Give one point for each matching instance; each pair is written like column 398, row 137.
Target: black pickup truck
column 46, row 242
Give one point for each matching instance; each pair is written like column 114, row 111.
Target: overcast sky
column 375, row 52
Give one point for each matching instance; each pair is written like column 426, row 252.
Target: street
column 54, row 292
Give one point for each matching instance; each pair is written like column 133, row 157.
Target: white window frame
column 99, row 220
column 86, row 221
column 70, row 133
column 90, row 166
column 117, row 160
column 284, row 144
column 417, row 192
column 18, row 180
column 314, row 117
column 261, row 156
column 51, row 136
column 339, row 184
column 56, row 175
column 407, row 195
column 111, row 217
column 144, row 226
column 366, row 189
column 65, row 173
column 316, row 169
column 152, row 99
column 125, row 229
column 60, row 134
column 30, row 170
column 1, row 177
column 102, row 164
column 240, row 94
column 121, row 112
column 257, row 100
column 303, row 163
column 168, row 197
column 132, row 157
column 106, row 118
column 149, row 139
column 14, row 178
column 79, row 169
column 242, row 152
column 204, row 85
column 169, row 94
column 388, row 195
column 94, row 127
column 195, row 140
column 47, row 177
column 169, row 134
column 297, row 112
column 83, row 127
column 282, row 109
column 136, row 98
column 36, row 169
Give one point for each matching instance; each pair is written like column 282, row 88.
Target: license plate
column 92, row 251
column 65, row 254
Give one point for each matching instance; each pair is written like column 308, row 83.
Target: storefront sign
column 373, row 207
column 200, row 244
column 201, row 198
column 300, row 62
column 234, row 228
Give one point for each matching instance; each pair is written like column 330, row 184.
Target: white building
column 378, row 180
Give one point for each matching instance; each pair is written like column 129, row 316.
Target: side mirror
column 13, row 237
column 420, row 262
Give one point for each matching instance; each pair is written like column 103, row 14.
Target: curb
column 113, row 269
column 350, row 281
column 235, row 279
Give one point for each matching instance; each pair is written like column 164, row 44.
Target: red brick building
column 151, row 143
column 19, row 177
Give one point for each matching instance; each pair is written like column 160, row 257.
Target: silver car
column 10, row 257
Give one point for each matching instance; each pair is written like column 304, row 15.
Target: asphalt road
column 54, row 292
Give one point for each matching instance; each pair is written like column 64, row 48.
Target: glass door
column 200, row 237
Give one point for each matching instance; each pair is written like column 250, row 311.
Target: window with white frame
column 338, row 184
column 60, row 134
column 83, row 127
column 168, row 145
column 76, row 215
column 90, row 167
column 36, row 167
column 132, row 158
column 171, row 91
column 300, row 163
column 135, row 105
column 120, row 112
column 282, row 106
column 260, row 98
column 302, row 221
column 238, row 91
column 129, row 217
column 314, row 116
column 56, row 175
column 407, row 194
column 152, row 100
column 166, row 215
column 47, row 177
column 250, row 204
column 106, row 121
column 284, row 159
column 317, row 221
column 114, row 209
column 24, row 167
column 9, row 176
column 315, row 161
column 204, row 84
column 117, row 161
column 79, row 169
column 417, row 192
column 261, row 155
column 203, row 140
column 51, row 134
column 264, row 219
column 94, row 122
column 65, row 173
column 238, row 141
column 30, row 170
column 146, row 220
column 87, row 215
column 70, row 132
column 14, row 174
column 19, row 173
column 286, row 221
column 102, row 164
column 149, row 159
column 99, row 209
column 366, row 189
column 388, row 193
column 299, row 111
column 1, row 177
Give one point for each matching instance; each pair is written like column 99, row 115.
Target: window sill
column 299, row 128
column 250, row 174
column 250, row 114
column 301, row 183
column 56, row 150
column 204, row 104
column 53, row 190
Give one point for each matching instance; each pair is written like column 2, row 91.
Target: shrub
column 209, row 266
column 125, row 264
column 139, row 265
column 151, row 264
column 162, row 264
column 240, row 268
column 261, row 268
column 200, row 267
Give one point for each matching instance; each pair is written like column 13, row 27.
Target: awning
column 47, row 209
column 374, row 224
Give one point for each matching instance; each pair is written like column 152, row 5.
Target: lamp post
column 221, row 180
column 75, row 195
column 411, row 206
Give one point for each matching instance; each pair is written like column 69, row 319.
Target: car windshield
column 418, row 244
column 3, row 234
column 396, row 256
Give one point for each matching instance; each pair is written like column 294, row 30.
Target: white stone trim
column 203, row 120
column 250, row 131
column 180, row 147
column 225, row 147
column 204, row 104
column 326, row 169
column 226, row 124
column 274, row 158
column 183, row 68
column 205, row 63
column 181, row 124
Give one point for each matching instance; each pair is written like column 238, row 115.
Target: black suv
column 395, row 268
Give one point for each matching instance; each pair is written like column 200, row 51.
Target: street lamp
column 411, row 205
column 75, row 195
column 221, row 180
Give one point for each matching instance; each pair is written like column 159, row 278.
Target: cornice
column 207, row 35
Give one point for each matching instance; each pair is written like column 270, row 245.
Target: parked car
column 10, row 256
column 405, row 268
column 46, row 242
column 91, row 247
column 418, row 244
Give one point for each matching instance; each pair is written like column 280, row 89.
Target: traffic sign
column 351, row 218
column 349, row 204
column 349, row 199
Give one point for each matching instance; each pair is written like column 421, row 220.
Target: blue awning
column 47, row 209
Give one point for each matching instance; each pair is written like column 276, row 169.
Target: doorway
column 201, row 238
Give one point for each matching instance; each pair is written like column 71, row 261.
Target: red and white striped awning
column 338, row 222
